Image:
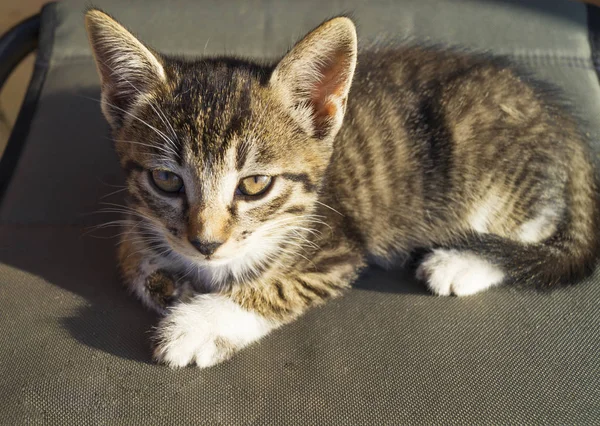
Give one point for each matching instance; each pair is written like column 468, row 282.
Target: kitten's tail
column 567, row 256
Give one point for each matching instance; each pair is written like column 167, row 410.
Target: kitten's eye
column 167, row 181
column 255, row 185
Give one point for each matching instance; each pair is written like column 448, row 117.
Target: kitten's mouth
column 210, row 261
column 213, row 259
column 216, row 260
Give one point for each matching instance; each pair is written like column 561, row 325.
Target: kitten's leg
column 207, row 330
column 449, row 271
column 482, row 260
column 148, row 278
column 212, row 327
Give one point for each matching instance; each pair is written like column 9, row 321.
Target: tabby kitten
column 258, row 191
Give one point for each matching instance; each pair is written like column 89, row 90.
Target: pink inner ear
column 333, row 81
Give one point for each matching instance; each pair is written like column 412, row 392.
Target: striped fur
column 429, row 149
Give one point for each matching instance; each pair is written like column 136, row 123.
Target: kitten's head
column 224, row 157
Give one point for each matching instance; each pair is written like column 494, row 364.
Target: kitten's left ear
column 314, row 78
column 127, row 68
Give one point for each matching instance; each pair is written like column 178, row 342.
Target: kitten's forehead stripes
column 240, row 103
column 242, row 154
column 210, row 109
column 211, row 104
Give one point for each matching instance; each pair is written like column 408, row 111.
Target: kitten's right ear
column 127, row 68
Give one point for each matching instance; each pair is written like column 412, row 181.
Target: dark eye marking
column 131, row 166
column 265, row 212
column 148, row 197
column 303, row 178
column 295, row 210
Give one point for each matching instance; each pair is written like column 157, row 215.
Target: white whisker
column 329, row 207
column 113, row 193
column 159, row 115
column 163, row 149
column 158, row 132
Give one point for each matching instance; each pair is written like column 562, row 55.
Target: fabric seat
column 75, row 348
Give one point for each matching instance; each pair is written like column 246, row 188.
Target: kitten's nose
column 205, row 247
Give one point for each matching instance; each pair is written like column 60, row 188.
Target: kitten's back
column 440, row 145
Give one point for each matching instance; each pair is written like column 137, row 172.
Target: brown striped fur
column 437, row 149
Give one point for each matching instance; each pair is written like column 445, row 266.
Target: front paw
column 180, row 341
column 163, row 290
column 206, row 331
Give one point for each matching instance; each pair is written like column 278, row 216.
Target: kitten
column 258, row 191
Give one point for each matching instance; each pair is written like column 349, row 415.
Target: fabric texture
column 75, row 349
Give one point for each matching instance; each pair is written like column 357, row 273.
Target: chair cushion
column 75, row 346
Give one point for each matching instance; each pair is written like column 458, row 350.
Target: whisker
column 113, row 193
column 109, row 184
column 158, row 132
column 164, row 149
column 329, row 207
column 159, row 115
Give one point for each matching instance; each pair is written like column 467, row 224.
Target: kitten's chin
column 217, row 261
column 216, row 272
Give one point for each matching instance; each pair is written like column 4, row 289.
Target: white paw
column 206, row 331
column 449, row 272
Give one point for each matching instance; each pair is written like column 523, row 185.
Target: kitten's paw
column 449, row 272
column 164, row 290
column 206, row 331
column 160, row 287
column 160, row 290
column 180, row 345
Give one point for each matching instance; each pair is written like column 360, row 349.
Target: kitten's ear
column 127, row 68
column 314, row 78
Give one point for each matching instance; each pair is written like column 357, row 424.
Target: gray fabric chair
column 74, row 347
